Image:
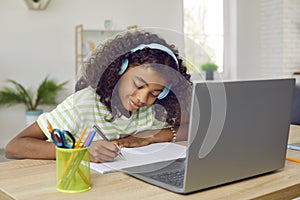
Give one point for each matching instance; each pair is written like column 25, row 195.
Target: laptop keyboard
column 174, row 178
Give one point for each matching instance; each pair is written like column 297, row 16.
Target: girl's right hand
column 103, row 151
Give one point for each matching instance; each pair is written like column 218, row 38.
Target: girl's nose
column 142, row 96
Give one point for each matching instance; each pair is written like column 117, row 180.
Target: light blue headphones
column 124, row 65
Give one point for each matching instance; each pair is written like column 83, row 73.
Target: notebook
column 238, row 129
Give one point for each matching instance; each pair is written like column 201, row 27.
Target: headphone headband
column 156, row 46
column 151, row 46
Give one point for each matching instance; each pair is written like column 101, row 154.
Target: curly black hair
column 102, row 72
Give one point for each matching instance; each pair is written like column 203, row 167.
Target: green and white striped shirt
column 83, row 108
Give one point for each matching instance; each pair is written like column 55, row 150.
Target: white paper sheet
column 152, row 153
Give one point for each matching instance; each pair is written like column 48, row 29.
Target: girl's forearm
column 30, row 148
column 153, row 136
column 166, row 135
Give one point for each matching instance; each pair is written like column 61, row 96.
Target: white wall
column 248, row 39
column 280, row 37
column 39, row 43
column 267, row 38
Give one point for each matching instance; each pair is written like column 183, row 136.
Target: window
column 204, row 33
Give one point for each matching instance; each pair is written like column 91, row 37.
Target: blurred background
column 247, row 39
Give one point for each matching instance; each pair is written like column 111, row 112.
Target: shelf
column 86, row 40
column 103, row 30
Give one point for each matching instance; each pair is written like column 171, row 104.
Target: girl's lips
column 133, row 105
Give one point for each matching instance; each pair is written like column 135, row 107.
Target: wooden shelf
column 86, row 39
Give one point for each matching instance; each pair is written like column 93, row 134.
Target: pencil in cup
column 71, row 167
column 61, row 155
column 73, row 163
column 78, row 161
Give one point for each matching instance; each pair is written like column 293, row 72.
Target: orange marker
column 292, row 159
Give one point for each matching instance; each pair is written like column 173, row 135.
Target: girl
column 134, row 87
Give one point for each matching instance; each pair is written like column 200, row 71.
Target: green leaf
column 46, row 94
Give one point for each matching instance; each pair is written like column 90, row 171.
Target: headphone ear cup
column 123, row 67
column 164, row 93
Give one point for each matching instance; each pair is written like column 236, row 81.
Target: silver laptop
column 238, row 129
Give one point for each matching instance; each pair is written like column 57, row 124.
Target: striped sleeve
column 63, row 117
column 67, row 115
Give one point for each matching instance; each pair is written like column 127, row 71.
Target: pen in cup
column 89, row 139
column 106, row 139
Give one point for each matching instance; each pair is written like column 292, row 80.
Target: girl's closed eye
column 155, row 93
column 136, row 85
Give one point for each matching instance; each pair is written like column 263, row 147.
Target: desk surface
column 35, row 179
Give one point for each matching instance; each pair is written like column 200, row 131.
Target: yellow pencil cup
column 72, row 170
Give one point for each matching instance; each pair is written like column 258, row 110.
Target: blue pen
column 90, row 139
column 292, row 147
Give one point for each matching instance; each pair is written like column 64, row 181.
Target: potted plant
column 209, row 69
column 45, row 95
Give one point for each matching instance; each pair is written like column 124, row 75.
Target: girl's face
column 140, row 86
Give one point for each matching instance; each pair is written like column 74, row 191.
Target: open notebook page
column 152, row 153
